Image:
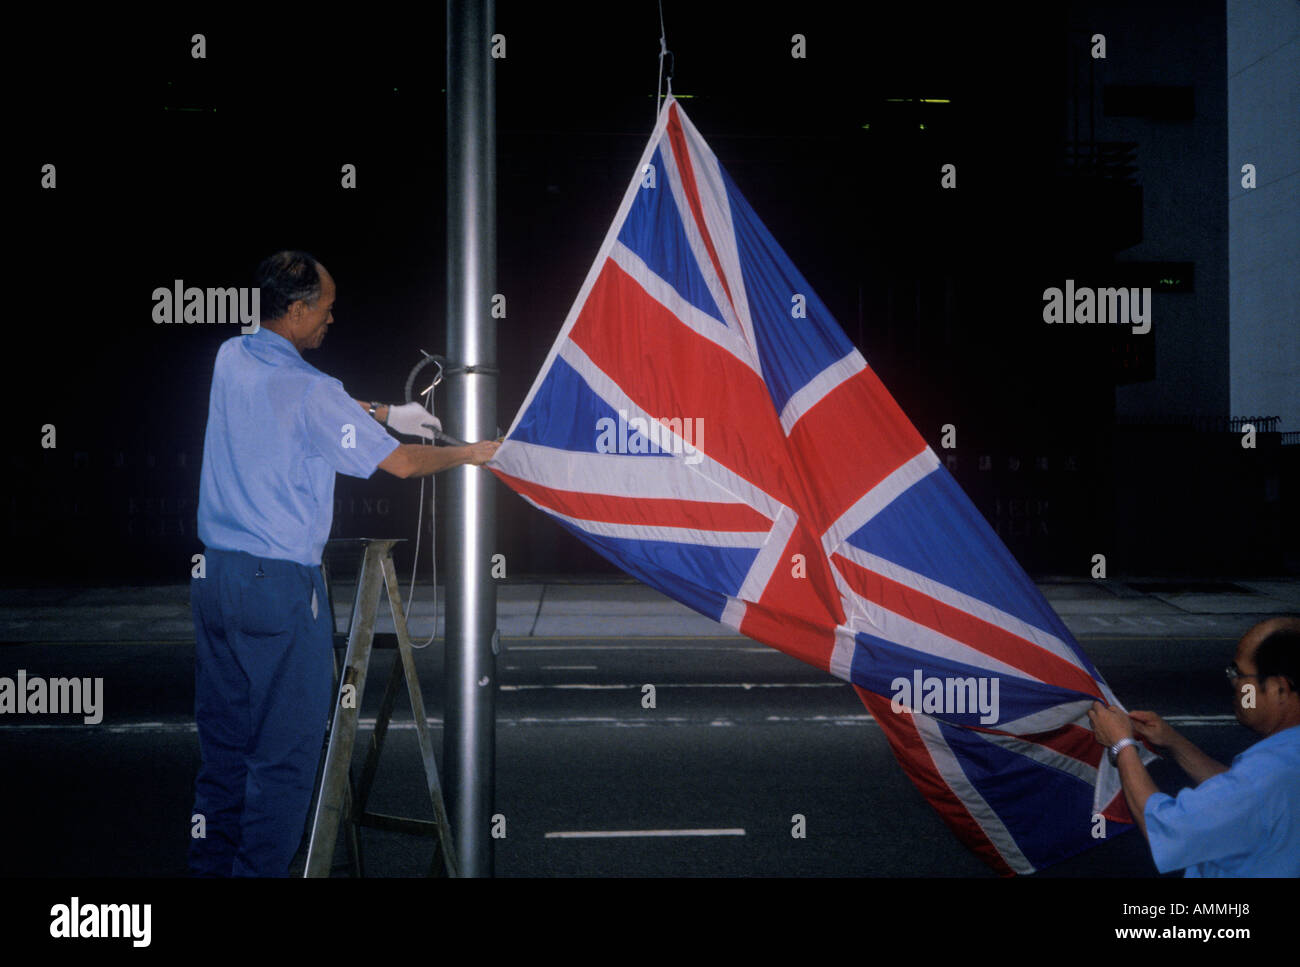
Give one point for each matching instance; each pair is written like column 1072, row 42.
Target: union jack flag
column 704, row 423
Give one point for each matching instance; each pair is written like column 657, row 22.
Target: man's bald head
column 1268, row 689
column 285, row 278
column 297, row 298
column 1266, row 628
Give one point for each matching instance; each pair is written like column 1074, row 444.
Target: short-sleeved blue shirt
column 278, row 431
column 1243, row 822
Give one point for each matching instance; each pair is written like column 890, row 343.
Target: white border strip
column 769, row 558
column 819, row 387
column 846, row 644
column 733, row 612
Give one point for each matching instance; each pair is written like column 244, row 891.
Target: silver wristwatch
column 1114, row 750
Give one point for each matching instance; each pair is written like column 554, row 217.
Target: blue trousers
column 263, row 691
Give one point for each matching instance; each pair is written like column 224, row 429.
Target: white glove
column 412, row 419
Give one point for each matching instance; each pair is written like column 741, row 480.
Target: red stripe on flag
column 799, row 608
column 988, row 638
column 642, row 511
column 682, row 155
column 849, row 441
column 1117, row 810
column 914, row 756
column 1070, row 740
column 671, row 371
column 796, row 635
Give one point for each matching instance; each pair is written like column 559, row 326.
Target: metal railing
column 1203, row 423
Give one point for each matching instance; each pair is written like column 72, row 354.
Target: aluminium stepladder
column 336, row 799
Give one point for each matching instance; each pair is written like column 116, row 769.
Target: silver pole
column 469, row 748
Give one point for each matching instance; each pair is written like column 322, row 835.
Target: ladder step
column 383, row 639
column 399, row 824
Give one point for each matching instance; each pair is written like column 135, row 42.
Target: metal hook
column 436, row 380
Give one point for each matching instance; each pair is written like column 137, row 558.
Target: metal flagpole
column 469, row 750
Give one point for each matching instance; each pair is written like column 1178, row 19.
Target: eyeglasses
column 1233, row 672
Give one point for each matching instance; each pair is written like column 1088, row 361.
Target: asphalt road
column 740, row 740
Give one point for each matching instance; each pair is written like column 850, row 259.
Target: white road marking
column 628, row 833
column 180, row 728
column 745, row 685
column 761, row 650
column 1200, row 719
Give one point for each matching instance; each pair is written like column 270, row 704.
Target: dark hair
column 283, row 279
column 1279, row 654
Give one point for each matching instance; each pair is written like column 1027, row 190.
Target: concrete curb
column 1090, row 609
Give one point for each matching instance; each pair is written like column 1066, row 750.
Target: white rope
column 415, row 560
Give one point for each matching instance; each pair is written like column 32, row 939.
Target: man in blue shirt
column 278, row 431
column 1242, row 820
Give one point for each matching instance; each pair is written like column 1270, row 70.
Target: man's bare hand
column 480, row 453
column 1150, row 726
column 1109, row 724
column 417, row 460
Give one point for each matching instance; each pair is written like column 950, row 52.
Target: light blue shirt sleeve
column 343, row 434
column 1218, row 819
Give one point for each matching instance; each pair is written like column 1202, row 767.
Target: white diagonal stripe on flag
column 902, row 630
column 616, row 474
column 708, row 468
column 717, row 218
column 950, row 769
column 1041, row 753
column 696, row 241
column 700, row 322
column 1049, row 718
column 963, row 602
column 879, row 497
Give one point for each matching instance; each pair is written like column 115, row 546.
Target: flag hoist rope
column 427, row 393
column 438, row 437
column 663, row 52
